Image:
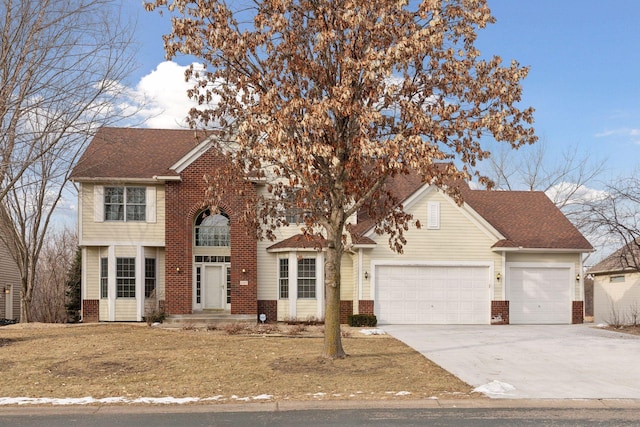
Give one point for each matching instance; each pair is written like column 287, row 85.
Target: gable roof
column 619, row 261
column 526, row 219
column 130, row 153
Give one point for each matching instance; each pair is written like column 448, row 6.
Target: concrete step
column 205, row 318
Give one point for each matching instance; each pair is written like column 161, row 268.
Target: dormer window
column 212, row 230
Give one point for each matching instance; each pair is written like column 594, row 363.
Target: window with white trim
column 212, row 229
column 125, row 277
column 283, row 277
column 104, row 278
column 307, row 278
column 149, row 277
column 125, row 203
column 433, row 215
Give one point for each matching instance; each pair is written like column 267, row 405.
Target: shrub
column 362, row 320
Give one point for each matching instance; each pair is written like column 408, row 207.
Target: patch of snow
column 262, row 397
column 495, row 387
column 403, row 393
column 601, row 325
column 169, row 400
column 319, row 394
column 372, row 332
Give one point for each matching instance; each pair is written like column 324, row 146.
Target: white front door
column 214, row 287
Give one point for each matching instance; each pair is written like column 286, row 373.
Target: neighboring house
column 616, row 287
column 9, row 285
column 501, row 257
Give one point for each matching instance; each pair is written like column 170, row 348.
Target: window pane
column 136, row 213
column 125, row 277
column 136, row 195
column 104, row 279
column 149, row 277
column 136, row 203
column 114, row 195
column 114, row 203
column 307, row 278
column 114, row 212
column 284, row 278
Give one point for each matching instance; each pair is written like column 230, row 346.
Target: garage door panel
column 539, row 295
column 439, row 295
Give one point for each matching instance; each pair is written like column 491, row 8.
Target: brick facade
column 365, row 307
column 184, row 200
column 346, row 310
column 499, row 312
column 269, row 308
column 577, row 312
column 90, row 310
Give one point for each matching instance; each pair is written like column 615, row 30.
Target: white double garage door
column 461, row 294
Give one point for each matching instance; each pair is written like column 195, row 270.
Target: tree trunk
column 332, row 336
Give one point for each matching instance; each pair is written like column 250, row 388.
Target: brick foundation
column 346, row 310
column 90, row 310
column 365, row 307
column 499, row 312
column 269, row 308
column 577, row 312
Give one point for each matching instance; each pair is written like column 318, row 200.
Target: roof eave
column 152, row 180
column 546, row 250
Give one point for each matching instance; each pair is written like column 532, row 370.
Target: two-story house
column 500, row 257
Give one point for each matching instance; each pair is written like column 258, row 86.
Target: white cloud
column 568, row 191
column 164, row 95
column 632, row 133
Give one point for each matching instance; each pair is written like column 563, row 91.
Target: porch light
column 498, row 277
column 366, row 275
column 178, row 269
column 244, row 271
column 7, row 290
column 577, row 277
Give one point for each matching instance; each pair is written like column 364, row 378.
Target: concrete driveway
column 531, row 361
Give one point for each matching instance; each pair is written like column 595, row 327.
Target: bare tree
column 61, row 67
column 326, row 101
column 56, row 259
column 616, row 215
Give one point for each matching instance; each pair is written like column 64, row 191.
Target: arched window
column 212, row 230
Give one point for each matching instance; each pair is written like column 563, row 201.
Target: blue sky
column 584, row 79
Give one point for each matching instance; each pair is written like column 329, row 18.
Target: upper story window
column 125, row 203
column 616, row 279
column 212, row 230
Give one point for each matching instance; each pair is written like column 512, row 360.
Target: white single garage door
column 539, row 295
column 432, row 295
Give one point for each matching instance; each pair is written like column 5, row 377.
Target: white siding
column 95, row 231
column 616, row 302
column 459, row 238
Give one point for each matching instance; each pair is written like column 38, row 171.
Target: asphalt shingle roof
column 527, row 219
column 134, row 153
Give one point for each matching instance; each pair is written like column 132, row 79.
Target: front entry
column 211, row 286
column 214, row 289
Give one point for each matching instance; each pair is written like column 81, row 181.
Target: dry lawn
column 125, row 360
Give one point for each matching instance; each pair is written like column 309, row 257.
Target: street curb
column 286, row 406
